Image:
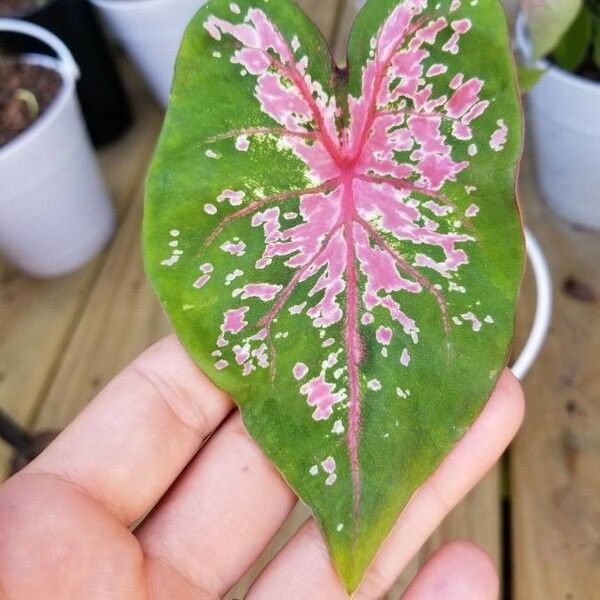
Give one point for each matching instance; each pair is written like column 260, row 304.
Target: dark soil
column 26, row 91
column 10, row 8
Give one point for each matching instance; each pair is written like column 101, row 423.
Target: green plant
column 341, row 250
column 568, row 31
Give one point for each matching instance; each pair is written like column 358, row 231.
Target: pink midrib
column 346, row 163
column 352, row 338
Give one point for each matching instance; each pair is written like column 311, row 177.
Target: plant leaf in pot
column 55, row 212
column 341, row 250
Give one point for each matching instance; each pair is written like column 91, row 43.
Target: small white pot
column 564, row 114
column 151, row 32
column 55, row 212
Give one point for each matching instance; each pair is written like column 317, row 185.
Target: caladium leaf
column 341, row 250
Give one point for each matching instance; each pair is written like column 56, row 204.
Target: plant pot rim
column 523, row 44
column 55, row 107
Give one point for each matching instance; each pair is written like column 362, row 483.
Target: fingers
column 303, row 570
column 217, row 518
column 56, row 543
column 129, row 445
column 457, row 571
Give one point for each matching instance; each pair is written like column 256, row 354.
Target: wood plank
column 121, row 319
column 38, row 317
column 555, row 479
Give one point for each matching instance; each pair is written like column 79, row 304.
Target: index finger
column 129, row 445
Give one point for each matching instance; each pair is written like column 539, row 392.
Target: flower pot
column 542, row 317
column 55, row 212
column 564, row 115
column 151, row 32
column 101, row 93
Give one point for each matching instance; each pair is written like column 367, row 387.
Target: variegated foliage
column 341, row 250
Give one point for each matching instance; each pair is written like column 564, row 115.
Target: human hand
column 64, row 520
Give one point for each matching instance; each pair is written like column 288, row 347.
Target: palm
column 64, row 519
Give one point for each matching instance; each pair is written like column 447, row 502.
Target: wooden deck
column 537, row 514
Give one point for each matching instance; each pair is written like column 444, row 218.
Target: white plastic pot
column 55, row 212
column 564, row 115
column 543, row 309
column 151, row 32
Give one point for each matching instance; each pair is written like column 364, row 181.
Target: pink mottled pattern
column 264, row 291
column 384, row 335
column 235, row 249
column 234, row 320
column 235, row 198
column 322, row 396
column 375, row 195
column 329, row 465
column 405, row 358
column 499, row 136
column 472, row 211
column 300, row 370
column 202, row 281
column 476, row 324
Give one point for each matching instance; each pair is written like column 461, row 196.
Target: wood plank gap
column 506, row 536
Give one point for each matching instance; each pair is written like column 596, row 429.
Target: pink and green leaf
column 341, row 250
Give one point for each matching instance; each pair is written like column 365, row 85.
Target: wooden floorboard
column 122, row 318
column 555, row 462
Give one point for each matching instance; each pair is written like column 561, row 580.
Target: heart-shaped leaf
column 341, row 250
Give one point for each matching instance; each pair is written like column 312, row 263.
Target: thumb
column 457, row 571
